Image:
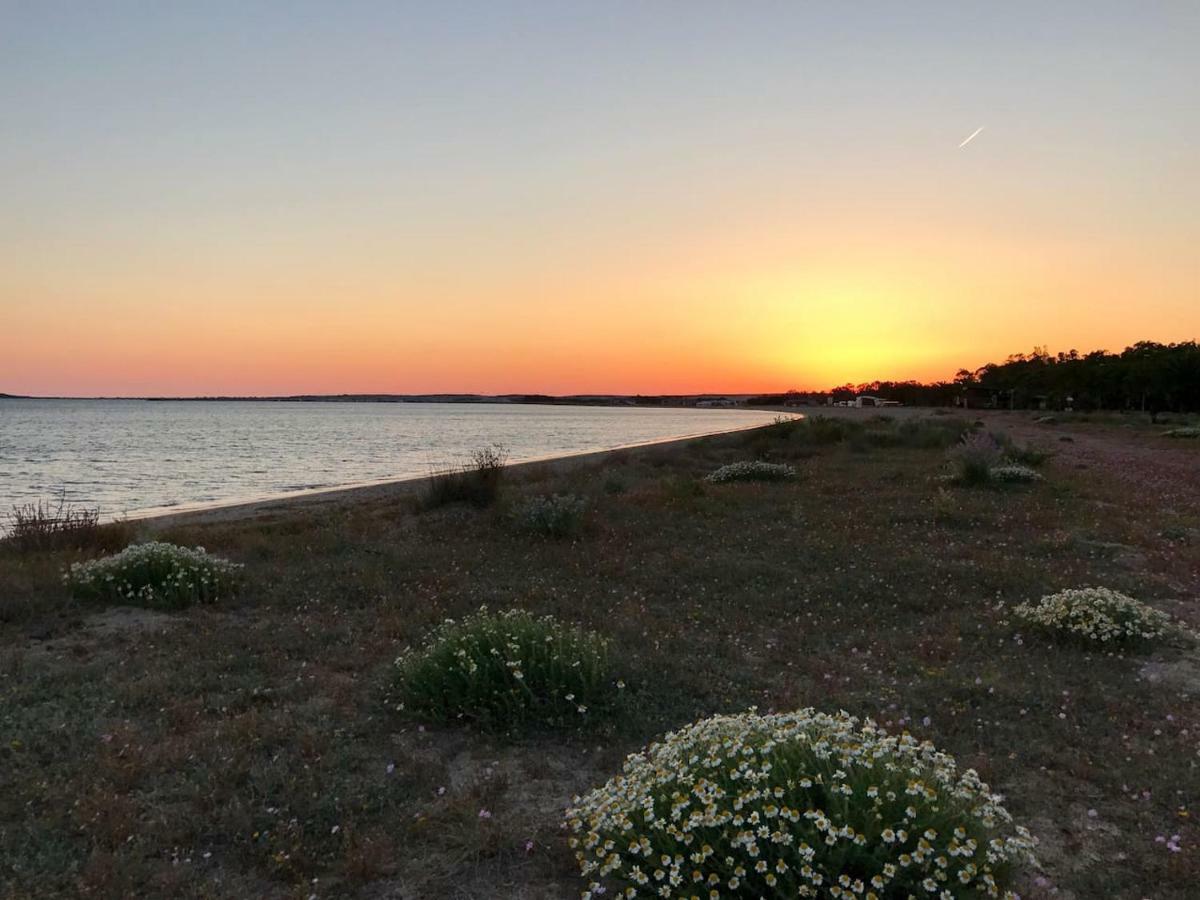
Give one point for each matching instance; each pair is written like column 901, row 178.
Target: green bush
column 558, row 515
column 155, row 574
column 476, row 482
column 507, row 671
column 800, row 804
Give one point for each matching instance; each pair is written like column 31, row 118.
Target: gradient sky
column 259, row 198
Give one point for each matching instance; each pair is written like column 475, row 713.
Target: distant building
column 866, row 400
column 719, row 402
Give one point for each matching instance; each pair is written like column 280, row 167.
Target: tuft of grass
column 509, row 671
column 61, row 525
column 556, row 515
column 974, row 457
column 476, row 482
column 154, row 574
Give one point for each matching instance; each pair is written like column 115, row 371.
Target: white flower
column 753, row 470
column 1096, row 614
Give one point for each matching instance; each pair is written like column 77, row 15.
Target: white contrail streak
column 974, row 134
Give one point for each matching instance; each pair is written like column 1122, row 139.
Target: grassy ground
column 250, row 749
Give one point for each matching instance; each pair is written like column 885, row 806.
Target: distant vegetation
column 1147, row 376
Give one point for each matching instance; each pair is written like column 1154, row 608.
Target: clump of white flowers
column 800, row 804
column 1014, row 473
column 1096, row 614
column 1187, row 431
column 507, row 670
column 154, row 574
column 751, row 470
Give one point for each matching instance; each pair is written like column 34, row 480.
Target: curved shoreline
column 254, row 507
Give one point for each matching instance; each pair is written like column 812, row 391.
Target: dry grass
column 250, row 749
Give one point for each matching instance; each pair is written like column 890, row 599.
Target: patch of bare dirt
column 1181, row 674
column 98, row 631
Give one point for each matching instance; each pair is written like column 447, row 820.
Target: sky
column 561, row 197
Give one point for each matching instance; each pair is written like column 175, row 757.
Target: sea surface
column 136, row 456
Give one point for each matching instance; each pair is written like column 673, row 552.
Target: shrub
column 1185, row 432
column 1095, row 615
column 61, row 525
column 681, row 488
column 1028, row 455
column 155, row 574
column 508, row 670
column 558, row 515
column 614, row 484
column 792, row 805
column 824, row 430
column 476, row 482
column 974, row 457
column 933, row 434
column 1014, row 473
column 751, row 470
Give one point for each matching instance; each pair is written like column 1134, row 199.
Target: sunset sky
column 265, row 198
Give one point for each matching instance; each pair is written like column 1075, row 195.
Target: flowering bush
column 556, row 516
column 1014, row 473
column 154, row 574
column 800, row 804
column 974, row 457
column 1187, row 431
column 751, row 470
column 508, row 669
column 1096, row 614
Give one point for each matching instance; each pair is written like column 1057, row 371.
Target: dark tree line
column 1147, row 376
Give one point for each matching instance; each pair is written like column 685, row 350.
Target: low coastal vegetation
column 981, row 457
column 555, row 516
column 794, row 805
column 325, row 731
column 1096, row 615
column 61, row 525
column 1187, row 431
column 476, row 482
column 508, row 671
column 154, row 574
column 751, row 470
column 1014, row 473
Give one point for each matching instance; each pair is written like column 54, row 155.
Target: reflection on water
column 129, row 455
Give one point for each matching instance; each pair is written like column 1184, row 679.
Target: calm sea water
column 129, row 456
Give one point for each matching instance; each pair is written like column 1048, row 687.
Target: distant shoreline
column 625, row 400
column 339, row 495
